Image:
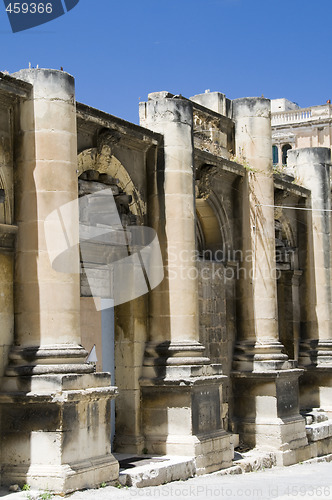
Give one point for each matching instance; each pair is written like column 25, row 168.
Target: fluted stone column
column 181, row 390
column 55, row 411
column 265, row 384
column 311, row 166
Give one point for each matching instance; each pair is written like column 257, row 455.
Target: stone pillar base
column 256, row 356
column 183, row 417
column 64, row 478
column 267, row 410
column 316, row 353
column 316, row 388
column 316, row 383
column 49, row 423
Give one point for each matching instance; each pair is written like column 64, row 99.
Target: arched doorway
column 119, row 332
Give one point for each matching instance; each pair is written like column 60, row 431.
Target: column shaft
column 312, row 167
column 174, row 304
column 47, row 313
column 257, row 287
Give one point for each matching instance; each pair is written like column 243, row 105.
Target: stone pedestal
column 267, row 409
column 181, row 390
column 183, row 417
column 264, row 380
column 56, row 431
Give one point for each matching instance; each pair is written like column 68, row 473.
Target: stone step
column 142, row 471
column 315, row 416
column 318, row 431
column 250, row 461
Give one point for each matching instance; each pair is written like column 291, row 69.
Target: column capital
column 245, row 107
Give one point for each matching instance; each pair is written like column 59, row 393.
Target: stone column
column 265, row 383
column 181, row 390
column 258, row 289
column 55, row 411
column 311, row 167
column 174, row 305
column 47, row 312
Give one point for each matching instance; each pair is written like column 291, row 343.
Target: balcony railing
column 301, row 115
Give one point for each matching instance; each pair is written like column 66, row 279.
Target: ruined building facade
column 230, row 344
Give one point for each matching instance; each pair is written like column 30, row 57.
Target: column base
column 316, row 383
column 316, row 353
column 267, row 410
column 55, row 431
column 40, row 360
column 64, row 478
column 254, row 356
column 183, row 417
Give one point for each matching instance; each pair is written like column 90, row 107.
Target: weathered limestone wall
column 212, row 311
column 216, row 332
column 130, row 339
column 216, row 101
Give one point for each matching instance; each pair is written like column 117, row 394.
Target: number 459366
column 32, row 8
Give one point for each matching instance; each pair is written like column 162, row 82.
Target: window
column 285, row 150
column 275, row 155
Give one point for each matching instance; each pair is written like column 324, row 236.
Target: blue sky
column 119, row 51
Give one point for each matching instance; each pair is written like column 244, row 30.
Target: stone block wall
column 212, row 309
column 215, row 323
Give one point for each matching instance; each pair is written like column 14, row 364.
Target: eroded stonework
column 232, row 346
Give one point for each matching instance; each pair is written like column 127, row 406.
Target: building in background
column 294, row 127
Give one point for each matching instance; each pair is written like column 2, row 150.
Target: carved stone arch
column 102, row 160
column 213, row 228
column 223, row 220
column 287, row 234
